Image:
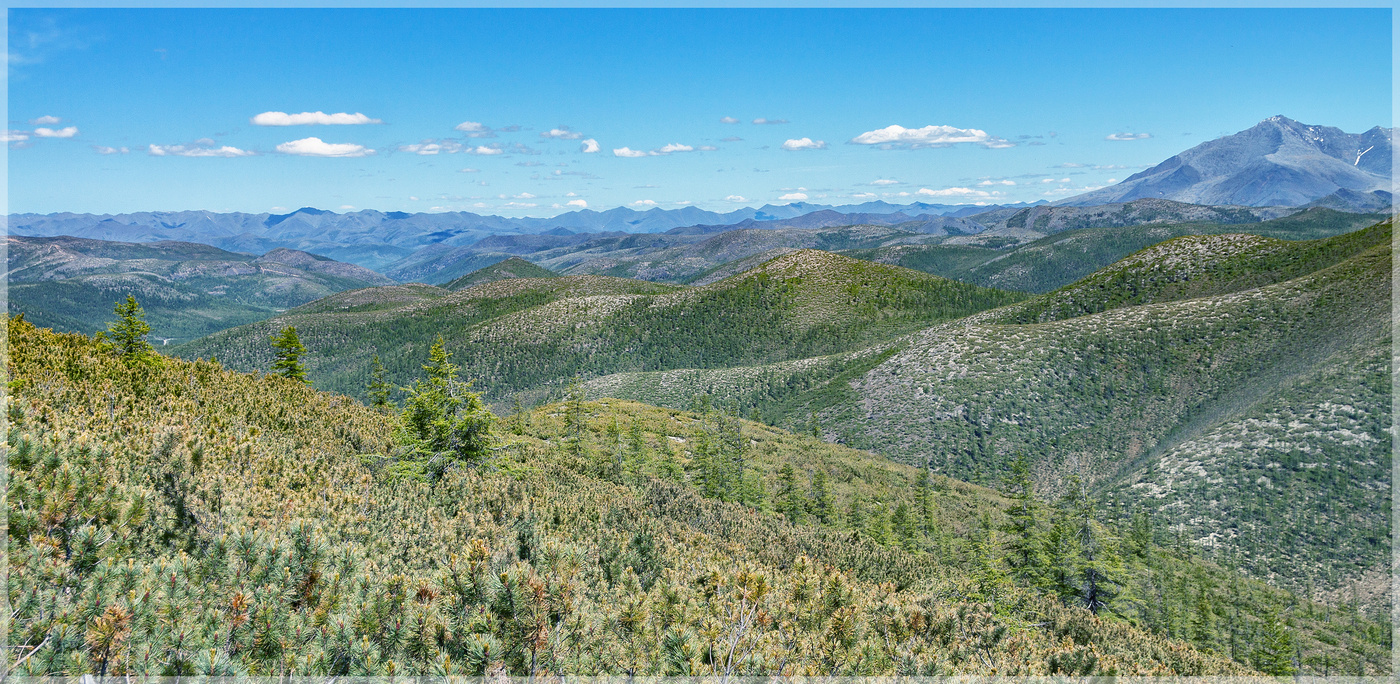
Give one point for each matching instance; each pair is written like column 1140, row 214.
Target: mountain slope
column 188, row 290
column 239, row 508
column 1158, row 404
column 529, row 333
column 1277, row 162
column 1057, row 260
column 514, row 267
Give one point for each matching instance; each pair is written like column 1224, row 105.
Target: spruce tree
column 129, row 331
column 822, row 503
column 379, row 388
column 906, row 530
column 1023, row 544
column 288, row 349
column 790, row 500
column 443, row 422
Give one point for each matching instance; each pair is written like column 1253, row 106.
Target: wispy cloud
column 736, row 198
column 200, row 148
column 561, row 133
column 732, row 138
column 101, row 149
column 45, row 120
column 769, row 122
column 899, row 137
column 315, row 147
column 473, row 129
column 662, row 151
column 1127, row 136
column 14, row 136
column 484, row 150
column 957, row 192
column 312, row 119
column 66, row 132
column 729, row 120
column 989, row 182
column 884, row 181
column 590, row 146
column 796, row 144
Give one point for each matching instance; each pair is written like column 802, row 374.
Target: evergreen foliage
column 287, row 348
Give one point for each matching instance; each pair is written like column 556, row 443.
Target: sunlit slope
column 535, row 333
column 224, row 524
column 1058, row 260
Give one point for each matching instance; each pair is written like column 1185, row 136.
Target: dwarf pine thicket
column 172, row 517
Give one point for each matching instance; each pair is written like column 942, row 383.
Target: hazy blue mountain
column 1279, row 162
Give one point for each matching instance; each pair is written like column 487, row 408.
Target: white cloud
column 45, row 120
column 644, row 203
column 865, row 195
column 1127, row 136
column 347, row 207
column 486, row 150
column 100, row 149
column 279, row 210
column 736, row 198
column 581, row 204
column 956, row 192
column 998, row 144
column 589, row 146
column 729, row 120
column 521, row 204
column 884, row 181
column 707, row 148
column 571, row 194
column 1060, row 192
column 473, row 129
column 804, row 144
column 312, row 118
column 524, row 195
column 561, row 133
column 413, row 198
column 761, row 121
column 896, row 136
column 1111, row 180
column 315, row 147
column 422, row 148
column 986, row 183
column 468, row 170
column 196, row 150
column 793, row 197
column 682, row 203
column 628, row 152
column 674, row 147
column 15, row 136
column 68, row 132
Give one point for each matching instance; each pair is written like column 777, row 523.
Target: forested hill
column 170, row 516
column 533, row 334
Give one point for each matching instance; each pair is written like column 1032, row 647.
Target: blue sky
column 491, row 111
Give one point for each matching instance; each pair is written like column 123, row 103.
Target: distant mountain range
column 1279, row 162
column 375, row 239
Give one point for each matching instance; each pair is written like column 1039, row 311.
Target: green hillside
column 514, row 267
column 528, row 334
column 188, row 290
column 1275, row 389
column 173, row 518
column 1065, row 257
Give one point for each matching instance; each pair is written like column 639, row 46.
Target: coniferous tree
column 904, row 527
column 443, row 422
column 1274, row 651
column 822, row 502
column 877, row 526
column 128, row 332
column 790, row 500
column 379, row 388
column 287, row 348
column 923, row 500
column 1023, row 543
